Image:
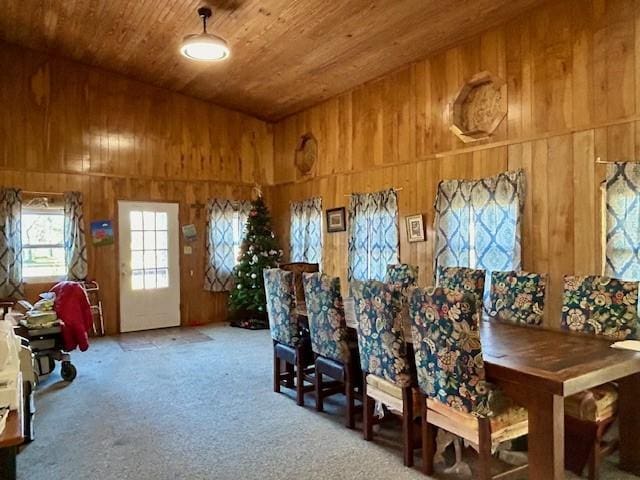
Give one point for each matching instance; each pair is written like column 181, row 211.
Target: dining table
column 539, row 368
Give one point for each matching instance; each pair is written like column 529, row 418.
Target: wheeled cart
column 47, row 347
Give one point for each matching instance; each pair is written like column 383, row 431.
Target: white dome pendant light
column 204, row 46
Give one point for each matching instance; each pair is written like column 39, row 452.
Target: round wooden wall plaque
column 306, row 153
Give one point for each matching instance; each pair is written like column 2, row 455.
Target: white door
column 149, row 265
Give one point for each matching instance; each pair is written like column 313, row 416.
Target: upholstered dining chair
column 334, row 346
column 450, row 372
column 388, row 372
column 518, row 297
column 464, row 279
column 403, row 275
column 604, row 306
column 290, row 344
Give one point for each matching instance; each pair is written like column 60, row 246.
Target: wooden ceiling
column 286, row 55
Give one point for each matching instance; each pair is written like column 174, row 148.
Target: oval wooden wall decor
column 306, row 153
column 479, row 107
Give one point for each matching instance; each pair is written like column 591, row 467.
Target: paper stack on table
column 627, row 345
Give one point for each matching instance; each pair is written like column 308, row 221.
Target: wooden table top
column 13, row 433
column 559, row 362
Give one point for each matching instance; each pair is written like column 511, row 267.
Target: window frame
column 37, row 210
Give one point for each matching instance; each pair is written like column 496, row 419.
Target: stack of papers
column 628, row 345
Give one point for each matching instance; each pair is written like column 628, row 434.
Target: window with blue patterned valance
column 374, row 240
column 623, row 221
column 477, row 223
column 226, row 221
column 306, row 231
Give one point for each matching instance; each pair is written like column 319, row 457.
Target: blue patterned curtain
column 10, row 243
column 75, row 250
column 477, row 223
column 306, row 231
column 374, row 241
column 226, row 220
column 623, row 221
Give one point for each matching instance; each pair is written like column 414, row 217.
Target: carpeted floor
column 192, row 408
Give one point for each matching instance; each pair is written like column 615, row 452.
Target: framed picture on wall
column 336, row 220
column 415, row 228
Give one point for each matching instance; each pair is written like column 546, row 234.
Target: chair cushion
column 390, row 394
column 593, row 405
column 509, row 423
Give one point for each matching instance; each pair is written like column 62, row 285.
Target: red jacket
column 72, row 307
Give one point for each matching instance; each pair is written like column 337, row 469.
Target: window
column 149, row 250
column 43, row 256
column 478, row 223
column 621, row 210
column 306, row 231
column 373, row 234
column 239, row 225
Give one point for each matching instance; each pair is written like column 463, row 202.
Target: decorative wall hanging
column 336, row 220
column 102, row 233
column 306, row 153
column 479, row 107
column 415, row 228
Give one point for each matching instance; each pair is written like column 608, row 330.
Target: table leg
column 546, row 435
column 8, row 463
column 629, row 392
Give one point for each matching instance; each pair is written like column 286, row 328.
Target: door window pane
column 149, row 279
column 149, row 240
column 163, row 278
column 136, row 260
column 136, row 241
column 137, row 280
column 149, row 259
column 136, row 220
column 149, row 220
column 162, row 240
column 161, row 220
column 162, row 259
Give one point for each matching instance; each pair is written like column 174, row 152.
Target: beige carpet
column 197, row 404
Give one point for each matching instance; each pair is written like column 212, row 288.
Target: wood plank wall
column 573, row 75
column 65, row 126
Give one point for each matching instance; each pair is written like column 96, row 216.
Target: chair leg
column 484, row 448
column 407, row 426
column 318, row 388
column 349, row 393
column 594, row 461
column 428, row 440
column 276, row 372
column 299, row 379
column 367, row 414
column 290, row 368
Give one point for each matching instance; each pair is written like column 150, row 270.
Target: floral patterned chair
column 600, row 306
column 403, row 275
column 298, row 269
column 290, row 344
column 518, row 297
column 332, row 342
column 450, row 372
column 465, row 279
column 388, row 373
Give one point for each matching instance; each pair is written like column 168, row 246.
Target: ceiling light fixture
column 204, row 46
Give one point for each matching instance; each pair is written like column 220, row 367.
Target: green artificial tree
column 259, row 250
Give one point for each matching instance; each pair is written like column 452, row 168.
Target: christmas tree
column 259, row 250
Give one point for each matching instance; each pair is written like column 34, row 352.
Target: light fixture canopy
column 204, row 46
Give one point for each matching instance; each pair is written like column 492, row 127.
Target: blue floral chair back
column 447, row 348
column 280, row 293
column 327, row 325
column 601, row 306
column 518, row 297
column 381, row 342
column 464, row 279
column 403, row 275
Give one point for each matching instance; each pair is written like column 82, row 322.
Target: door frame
column 117, row 253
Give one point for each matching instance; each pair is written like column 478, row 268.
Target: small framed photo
column 415, row 228
column 336, row 221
